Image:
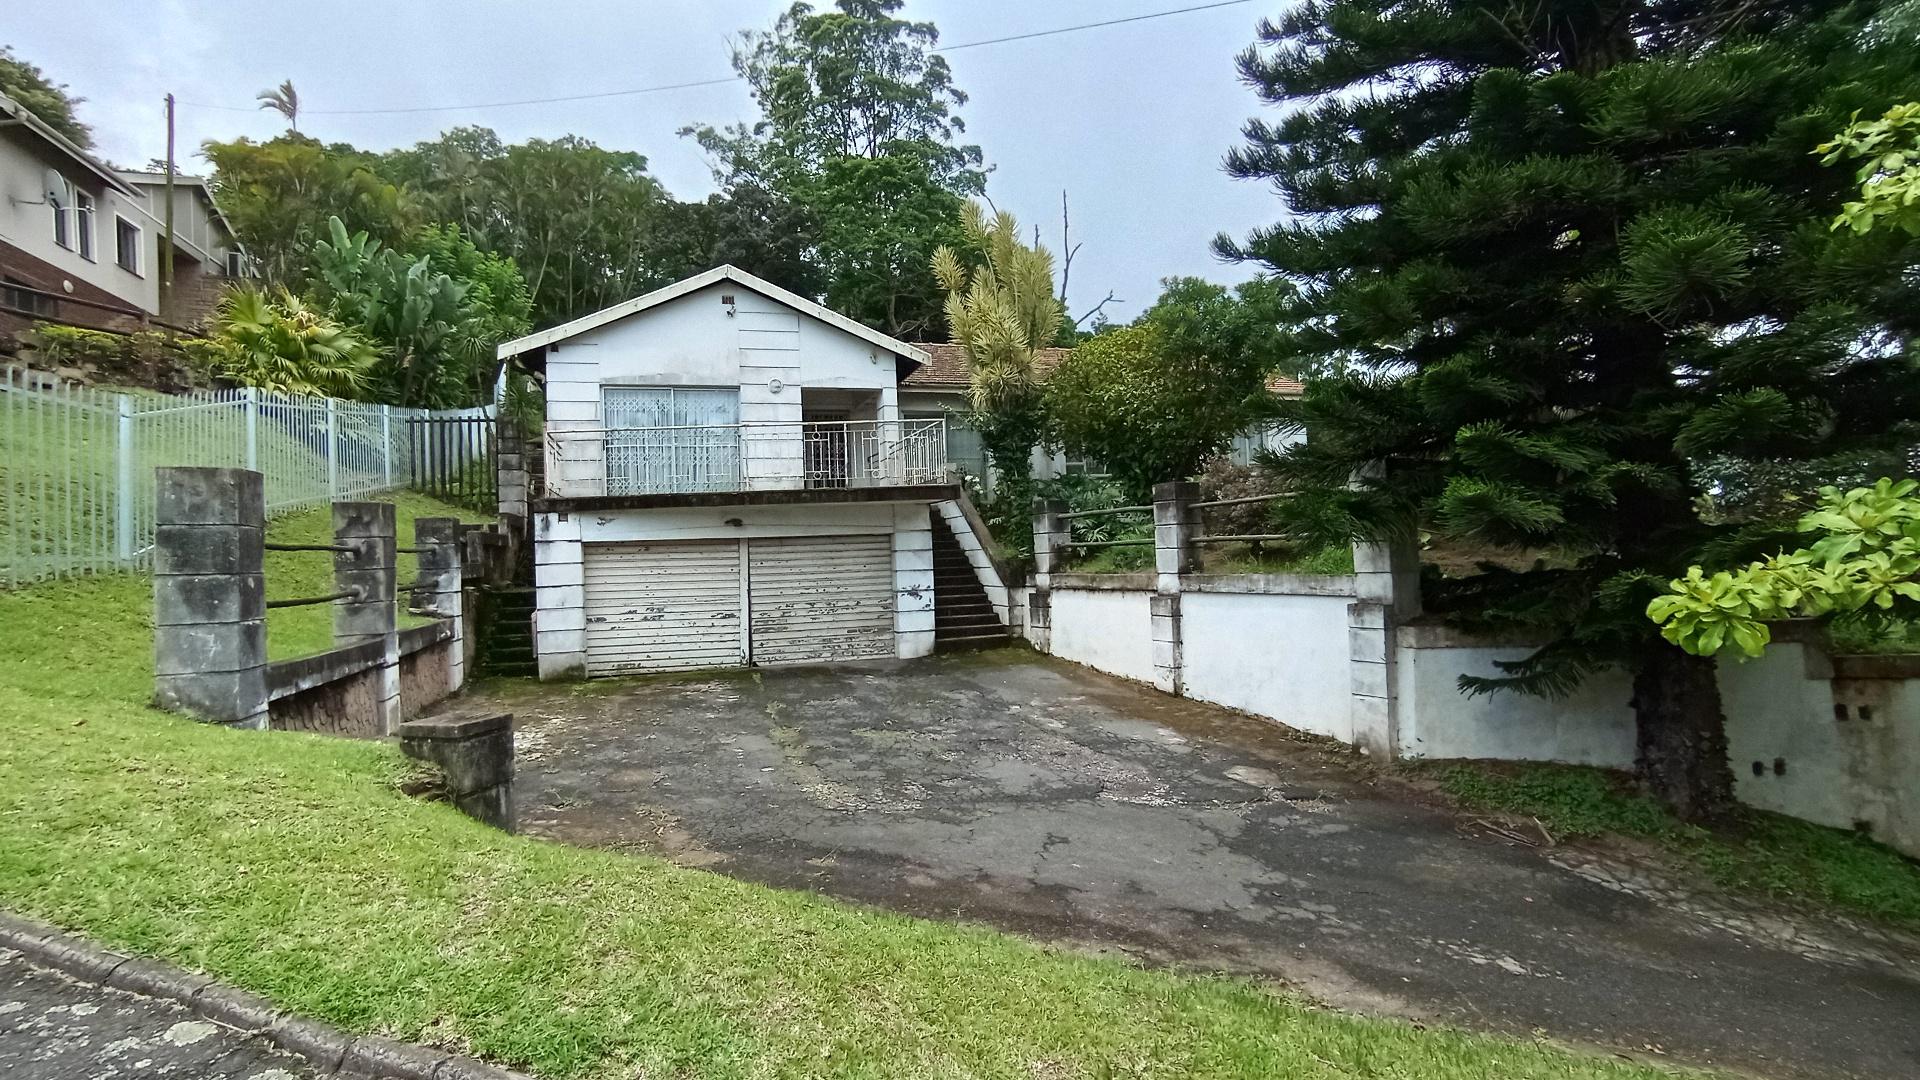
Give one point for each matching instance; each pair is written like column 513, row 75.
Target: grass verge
column 290, row 865
column 1760, row 853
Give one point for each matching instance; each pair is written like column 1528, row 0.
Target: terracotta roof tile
column 948, row 370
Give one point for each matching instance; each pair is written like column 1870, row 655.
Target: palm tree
column 284, row 100
column 280, row 344
column 1001, row 312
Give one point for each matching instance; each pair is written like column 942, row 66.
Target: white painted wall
column 770, row 352
column 1108, row 630
column 1279, row 656
column 1436, row 720
column 1779, row 708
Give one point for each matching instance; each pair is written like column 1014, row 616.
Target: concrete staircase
column 963, row 617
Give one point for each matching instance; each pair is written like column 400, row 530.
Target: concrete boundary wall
column 1830, row 739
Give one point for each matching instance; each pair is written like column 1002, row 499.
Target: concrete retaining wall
column 1106, row 629
column 1280, row 655
column 1833, row 740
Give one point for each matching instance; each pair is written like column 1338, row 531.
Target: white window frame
column 139, row 234
column 83, row 225
column 62, row 228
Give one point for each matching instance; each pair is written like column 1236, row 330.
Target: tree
column 1565, row 252
column 858, row 129
column 279, row 195
column 579, row 220
column 747, row 226
column 437, row 312
column 277, row 342
column 284, row 100
column 1153, row 401
column 52, row 102
column 1001, row 312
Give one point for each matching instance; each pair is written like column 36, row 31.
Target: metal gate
column 453, row 460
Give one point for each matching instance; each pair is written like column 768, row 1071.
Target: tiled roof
column 947, row 370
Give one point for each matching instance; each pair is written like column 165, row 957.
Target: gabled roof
column 145, row 178
column 20, row 114
column 947, row 369
column 700, row 281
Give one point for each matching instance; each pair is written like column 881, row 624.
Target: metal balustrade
column 598, row 461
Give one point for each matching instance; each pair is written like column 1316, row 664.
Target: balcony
column 597, row 462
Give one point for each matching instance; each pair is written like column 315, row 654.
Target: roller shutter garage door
column 662, row 606
column 820, row 598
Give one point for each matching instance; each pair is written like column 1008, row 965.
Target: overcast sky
column 1131, row 120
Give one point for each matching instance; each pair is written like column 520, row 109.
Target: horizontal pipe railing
column 1241, row 501
column 307, row 601
column 1105, row 511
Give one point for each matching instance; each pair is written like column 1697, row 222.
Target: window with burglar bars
column 671, row 439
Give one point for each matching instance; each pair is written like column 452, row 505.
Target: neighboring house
column 207, row 259
column 80, row 241
column 730, row 479
column 938, row 389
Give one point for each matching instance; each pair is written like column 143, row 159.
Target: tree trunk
column 1681, row 734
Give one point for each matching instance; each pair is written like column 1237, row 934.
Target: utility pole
column 166, row 224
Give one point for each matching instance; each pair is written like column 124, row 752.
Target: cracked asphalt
column 53, row 1028
column 1058, row 803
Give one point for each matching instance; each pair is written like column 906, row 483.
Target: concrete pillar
column 510, row 469
column 913, row 607
column 371, row 613
column 1175, row 524
column 209, row 595
column 1050, row 532
column 560, row 613
column 1387, row 583
column 475, row 758
column 437, row 592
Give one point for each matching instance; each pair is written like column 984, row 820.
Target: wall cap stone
column 1272, row 584
column 455, row 726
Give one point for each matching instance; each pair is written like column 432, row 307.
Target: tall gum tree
column 1564, row 255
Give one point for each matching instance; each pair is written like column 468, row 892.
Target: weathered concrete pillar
column 209, row 595
column 475, row 757
column 1175, row 524
column 1387, row 584
column 560, row 597
column 438, row 590
column 371, row 613
column 1050, row 532
column 510, row 468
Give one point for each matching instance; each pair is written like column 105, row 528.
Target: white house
column 729, row 480
column 80, row 241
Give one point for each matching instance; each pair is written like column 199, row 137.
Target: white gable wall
column 694, row 341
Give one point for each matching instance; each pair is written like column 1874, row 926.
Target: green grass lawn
column 291, row 865
column 1760, row 853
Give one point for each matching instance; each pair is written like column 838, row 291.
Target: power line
column 720, row 81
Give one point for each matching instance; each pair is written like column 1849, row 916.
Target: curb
column 327, row 1049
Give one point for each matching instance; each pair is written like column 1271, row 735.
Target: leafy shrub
column 1863, row 565
column 148, row 358
column 282, row 345
column 1225, row 479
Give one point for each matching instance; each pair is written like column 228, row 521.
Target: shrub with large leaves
column 1864, row 563
column 278, row 343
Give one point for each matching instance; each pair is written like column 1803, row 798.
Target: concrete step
column 970, row 642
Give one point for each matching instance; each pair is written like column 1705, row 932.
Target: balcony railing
column 587, row 462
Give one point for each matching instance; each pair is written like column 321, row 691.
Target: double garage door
column 675, row 606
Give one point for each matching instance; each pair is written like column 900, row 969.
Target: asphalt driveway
column 1059, row 803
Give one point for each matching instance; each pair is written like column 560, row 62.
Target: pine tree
column 1568, row 254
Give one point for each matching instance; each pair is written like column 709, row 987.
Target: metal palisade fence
column 76, row 462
